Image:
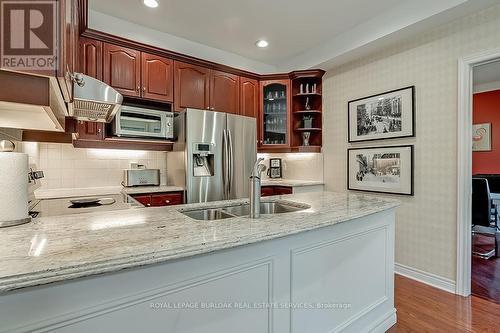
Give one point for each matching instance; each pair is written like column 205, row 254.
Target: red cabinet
column 275, row 190
column 160, row 199
column 90, row 58
column 87, row 130
column 122, row 69
column 202, row 88
column 157, row 77
column 249, row 97
column 192, row 86
column 224, row 92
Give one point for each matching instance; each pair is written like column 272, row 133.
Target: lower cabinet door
column 167, row 199
column 280, row 190
column 266, row 191
column 143, row 199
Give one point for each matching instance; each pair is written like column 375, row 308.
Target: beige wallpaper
column 426, row 223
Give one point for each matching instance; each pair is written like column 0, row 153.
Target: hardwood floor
column 421, row 308
column 485, row 280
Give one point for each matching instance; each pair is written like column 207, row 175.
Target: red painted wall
column 486, row 109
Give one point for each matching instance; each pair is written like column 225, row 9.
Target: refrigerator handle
column 225, row 165
column 231, row 162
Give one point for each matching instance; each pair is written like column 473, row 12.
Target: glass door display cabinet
column 275, row 120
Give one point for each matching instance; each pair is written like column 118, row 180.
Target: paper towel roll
column 13, row 186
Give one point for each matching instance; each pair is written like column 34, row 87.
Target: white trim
column 425, row 277
column 383, row 325
column 464, row 165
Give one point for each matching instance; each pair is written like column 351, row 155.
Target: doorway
column 474, row 72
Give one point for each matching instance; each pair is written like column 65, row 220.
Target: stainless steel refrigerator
column 213, row 155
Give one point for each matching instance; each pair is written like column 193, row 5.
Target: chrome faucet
column 258, row 168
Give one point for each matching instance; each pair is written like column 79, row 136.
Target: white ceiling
column 235, row 25
column 487, row 73
column 487, row 77
column 301, row 33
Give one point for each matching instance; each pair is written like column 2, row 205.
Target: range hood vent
column 94, row 100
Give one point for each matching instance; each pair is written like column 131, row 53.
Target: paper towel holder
column 7, row 146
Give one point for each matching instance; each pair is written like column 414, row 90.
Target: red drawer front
column 279, row 190
column 143, row 199
column 167, row 199
column 266, row 191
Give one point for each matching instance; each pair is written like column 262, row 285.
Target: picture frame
column 387, row 169
column 388, row 115
column 481, row 137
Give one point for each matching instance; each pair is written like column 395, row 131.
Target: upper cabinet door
column 225, row 92
column 191, row 86
column 90, row 58
column 249, row 97
column 157, row 78
column 122, row 69
column 275, row 114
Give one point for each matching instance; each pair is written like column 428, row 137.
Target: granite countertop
column 59, row 248
column 291, row 182
column 151, row 189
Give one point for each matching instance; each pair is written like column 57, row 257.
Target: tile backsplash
column 298, row 166
column 68, row 167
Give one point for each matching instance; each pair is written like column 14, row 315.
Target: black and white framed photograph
column 383, row 116
column 381, row 169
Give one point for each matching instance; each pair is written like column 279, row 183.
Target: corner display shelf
column 299, row 110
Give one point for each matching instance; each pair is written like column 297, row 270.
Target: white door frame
column 464, row 171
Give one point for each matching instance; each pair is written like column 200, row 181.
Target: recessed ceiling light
column 151, row 3
column 262, row 43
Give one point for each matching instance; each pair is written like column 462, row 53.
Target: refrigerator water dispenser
column 203, row 160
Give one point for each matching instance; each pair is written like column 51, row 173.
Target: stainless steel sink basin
column 266, row 208
column 207, row 214
column 275, row 207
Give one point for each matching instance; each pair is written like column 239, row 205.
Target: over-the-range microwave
column 133, row 121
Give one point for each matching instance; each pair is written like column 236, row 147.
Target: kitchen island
column 329, row 266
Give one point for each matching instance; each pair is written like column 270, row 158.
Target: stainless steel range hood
column 31, row 101
column 93, row 100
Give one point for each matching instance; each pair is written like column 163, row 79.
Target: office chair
column 484, row 215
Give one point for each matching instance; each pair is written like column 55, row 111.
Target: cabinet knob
column 167, row 201
column 149, row 205
column 212, row 109
column 138, row 88
column 144, row 89
column 208, row 107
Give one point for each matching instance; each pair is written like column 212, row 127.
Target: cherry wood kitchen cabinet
column 249, row 97
column 160, row 199
column 157, row 77
column 88, row 130
column 202, row 88
column 275, row 190
column 192, row 86
column 224, row 92
column 90, row 57
column 122, row 69
column 274, row 120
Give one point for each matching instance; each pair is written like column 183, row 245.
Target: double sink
column 241, row 210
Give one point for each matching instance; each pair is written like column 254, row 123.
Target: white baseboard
column 425, row 277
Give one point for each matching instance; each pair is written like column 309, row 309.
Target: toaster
column 141, row 177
